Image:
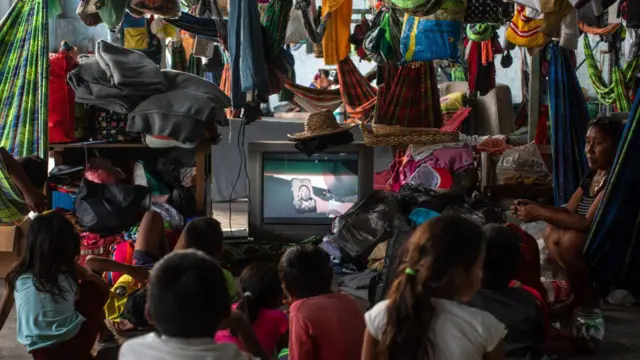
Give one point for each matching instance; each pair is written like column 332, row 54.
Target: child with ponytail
column 423, row 317
column 260, row 303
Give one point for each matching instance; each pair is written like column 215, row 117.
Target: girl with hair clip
column 260, row 302
column 423, row 317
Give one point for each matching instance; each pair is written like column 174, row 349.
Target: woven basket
column 397, row 135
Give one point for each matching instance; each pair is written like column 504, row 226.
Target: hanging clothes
column 177, row 56
column 569, row 117
column 335, row 43
column 24, row 78
column 313, row 100
column 197, row 26
column 612, row 251
column 12, row 205
column 246, row 51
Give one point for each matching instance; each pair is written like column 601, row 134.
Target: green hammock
column 623, row 80
column 24, row 78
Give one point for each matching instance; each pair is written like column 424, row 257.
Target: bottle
column 588, row 330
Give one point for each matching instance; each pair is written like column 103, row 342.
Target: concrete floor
column 622, row 339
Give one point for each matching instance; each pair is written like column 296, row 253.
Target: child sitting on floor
column 186, row 307
column 58, row 303
column 421, row 319
column 125, row 305
column 517, row 306
column 323, row 325
column 261, row 302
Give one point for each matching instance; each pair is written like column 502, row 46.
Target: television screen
column 308, row 190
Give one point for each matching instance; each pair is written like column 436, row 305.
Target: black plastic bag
column 411, row 197
column 110, row 209
column 480, row 211
column 380, row 285
column 366, row 223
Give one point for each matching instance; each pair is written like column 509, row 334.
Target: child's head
column 443, row 259
column 502, row 256
column 134, row 308
column 261, row 288
column 35, row 168
column 204, row 234
column 306, row 271
column 52, row 249
column 188, row 296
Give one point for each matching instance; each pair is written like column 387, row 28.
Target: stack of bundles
column 171, row 104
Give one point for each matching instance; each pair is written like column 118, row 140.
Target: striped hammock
column 358, row 95
column 569, row 118
column 613, row 249
column 24, row 78
column 313, row 100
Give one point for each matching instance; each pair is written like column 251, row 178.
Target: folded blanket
column 183, row 115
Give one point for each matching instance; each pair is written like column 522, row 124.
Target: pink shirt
column 269, row 327
column 326, row 327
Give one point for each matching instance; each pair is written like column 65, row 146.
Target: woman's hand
column 519, row 202
column 528, row 213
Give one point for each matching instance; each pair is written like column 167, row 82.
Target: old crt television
column 293, row 196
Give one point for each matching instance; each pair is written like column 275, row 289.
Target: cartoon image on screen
column 295, row 186
column 303, row 200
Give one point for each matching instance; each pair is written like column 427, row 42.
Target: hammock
column 623, row 80
column 24, row 78
column 569, row 118
column 612, row 249
column 12, row 206
column 358, row 95
column 313, row 100
column 274, row 21
column 203, row 27
column 411, row 98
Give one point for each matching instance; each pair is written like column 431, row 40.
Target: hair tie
column 410, row 271
column 247, row 294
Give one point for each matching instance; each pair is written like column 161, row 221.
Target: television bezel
column 295, row 232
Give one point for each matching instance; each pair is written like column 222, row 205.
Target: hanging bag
column 61, row 98
column 87, row 13
column 111, row 11
column 436, row 37
column 163, row 8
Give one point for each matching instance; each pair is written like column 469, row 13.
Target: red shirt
column 326, row 327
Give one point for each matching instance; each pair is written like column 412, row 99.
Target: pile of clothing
column 167, row 104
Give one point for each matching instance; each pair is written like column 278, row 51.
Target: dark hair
column 502, row 256
column 52, row 248
column 306, row 271
column 436, row 250
column 610, row 126
column 188, row 295
column 261, row 288
column 35, row 168
column 324, row 72
column 204, row 234
column 134, row 308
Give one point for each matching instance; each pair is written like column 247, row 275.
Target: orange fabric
column 187, row 42
column 335, row 42
column 225, row 86
column 607, row 30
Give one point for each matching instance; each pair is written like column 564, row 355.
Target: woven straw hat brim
column 305, row 135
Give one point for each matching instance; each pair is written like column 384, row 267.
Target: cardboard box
column 13, row 241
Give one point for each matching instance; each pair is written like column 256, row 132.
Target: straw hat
column 320, row 124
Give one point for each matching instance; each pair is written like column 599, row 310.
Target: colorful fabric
column 270, row 326
column 524, row 30
column 358, row 95
column 437, row 37
column 612, row 251
column 482, row 68
column 111, row 126
column 488, row 11
column 136, row 33
column 335, row 43
column 12, row 205
column 225, row 86
column 418, row 7
column 412, row 98
column 202, row 27
column 177, row 57
column 274, row 21
column 313, row 100
column 569, row 118
column 24, row 78
column 623, row 80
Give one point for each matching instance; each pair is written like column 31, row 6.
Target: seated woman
column 568, row 226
